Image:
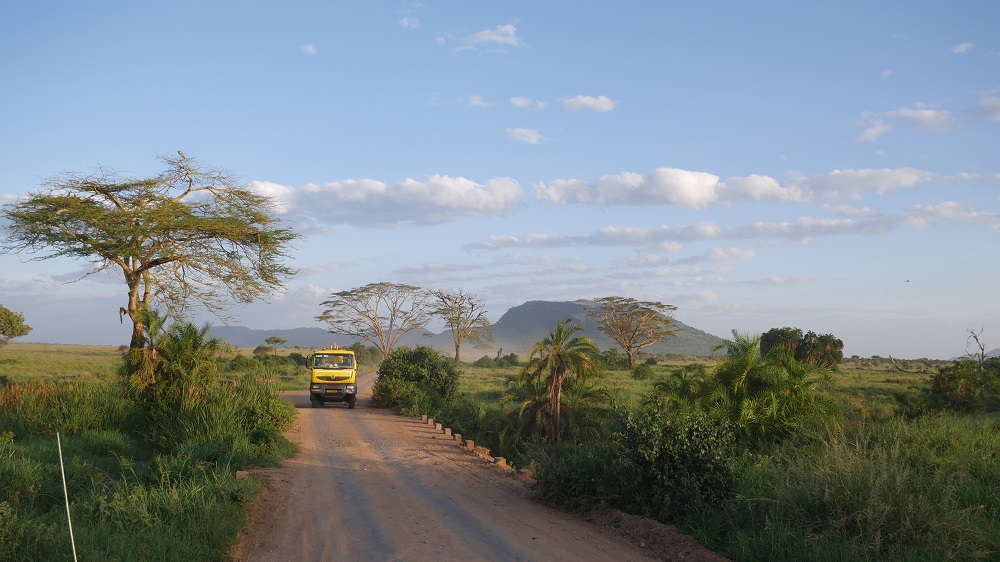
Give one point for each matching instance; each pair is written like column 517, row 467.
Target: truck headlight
column 314, row 387
column 352, row 388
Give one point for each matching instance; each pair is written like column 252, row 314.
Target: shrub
column 485, row 361
column 299, row 359
column 964, row 386
column 613, row 360
column 676, row 458
column 423, row 366
column 642, row 371
column 509, row 360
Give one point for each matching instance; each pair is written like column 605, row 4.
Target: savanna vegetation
column 781, row 449
column 151, row 445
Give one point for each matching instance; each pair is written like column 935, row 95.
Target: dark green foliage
column 579, row 476
column 764, row 396
column 659, row 460
column 485, row 361
column 614, row 360
column 11, row 325
column 423, row 366
column 365, row 355
column 642, row 371
column 679, row 457
column 965, row 386
column 651, row 360
column 299, row 359
column 824, row 351
column 509, row 360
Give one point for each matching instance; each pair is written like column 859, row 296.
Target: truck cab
column 334, row 377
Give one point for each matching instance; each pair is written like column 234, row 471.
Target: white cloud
column 801, row 230
column 500, row 37
column 937, row 120
column 886, row 73
column 875, row 129
column 876, row 126
column 308, row 49
column 526, row 102
column 950, row 211
column 726, row 255
column 407, row 22
column 600, row 103
column 851, row 183
column 530, row 136
column 672, row 186
column 372, row 203
column 283, row 196
column 665, row 186
column 760, row 188
column 962, row 48
column 478, row 101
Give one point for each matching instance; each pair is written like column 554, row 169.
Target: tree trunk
column 138, row 328
column 557, row 377
column 631, row 359
column 458, row 354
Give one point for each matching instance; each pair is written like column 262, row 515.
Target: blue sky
column 827, row 166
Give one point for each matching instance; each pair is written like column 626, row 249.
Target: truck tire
column 312, row 401
column 351, row 401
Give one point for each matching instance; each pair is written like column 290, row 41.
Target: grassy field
column 873, row 485
column 866, row 387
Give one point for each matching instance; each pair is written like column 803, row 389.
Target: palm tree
column 765, row 393
column 560, row 355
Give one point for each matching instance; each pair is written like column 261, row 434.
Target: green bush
column 642, row 371
column 299, row 359
column 422, row 365
column 614, row 360
column 965, row 386
column 579, row 476
column 485, row 361
column 676, row 458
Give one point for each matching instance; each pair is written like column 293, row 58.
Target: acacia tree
column 274, row 342
column 11, row 325
column 190, row 233
column 561, row 354
column 465, row 315
column 633, row 324
column 379, row 313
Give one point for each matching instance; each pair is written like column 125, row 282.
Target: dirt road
column 371, row 485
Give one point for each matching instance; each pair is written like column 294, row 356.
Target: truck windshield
column 333, row 361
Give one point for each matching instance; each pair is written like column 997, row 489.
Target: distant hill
column 516, row 331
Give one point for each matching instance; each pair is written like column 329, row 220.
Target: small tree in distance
column 633, row 324
column 465, row 315
column 274, row 342
column 11, row 325
column 379, row 313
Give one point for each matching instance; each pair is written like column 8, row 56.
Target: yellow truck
column 334, row 377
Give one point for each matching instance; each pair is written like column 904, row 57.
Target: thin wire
column 62, row 469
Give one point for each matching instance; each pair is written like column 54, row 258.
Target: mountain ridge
column 515, row 332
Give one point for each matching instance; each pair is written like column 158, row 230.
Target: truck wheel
column 312, row 401
column 351, row 401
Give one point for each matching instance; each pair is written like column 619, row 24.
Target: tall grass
column 148, row 477
column 924, row 489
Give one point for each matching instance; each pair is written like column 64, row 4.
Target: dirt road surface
column 371, row 485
